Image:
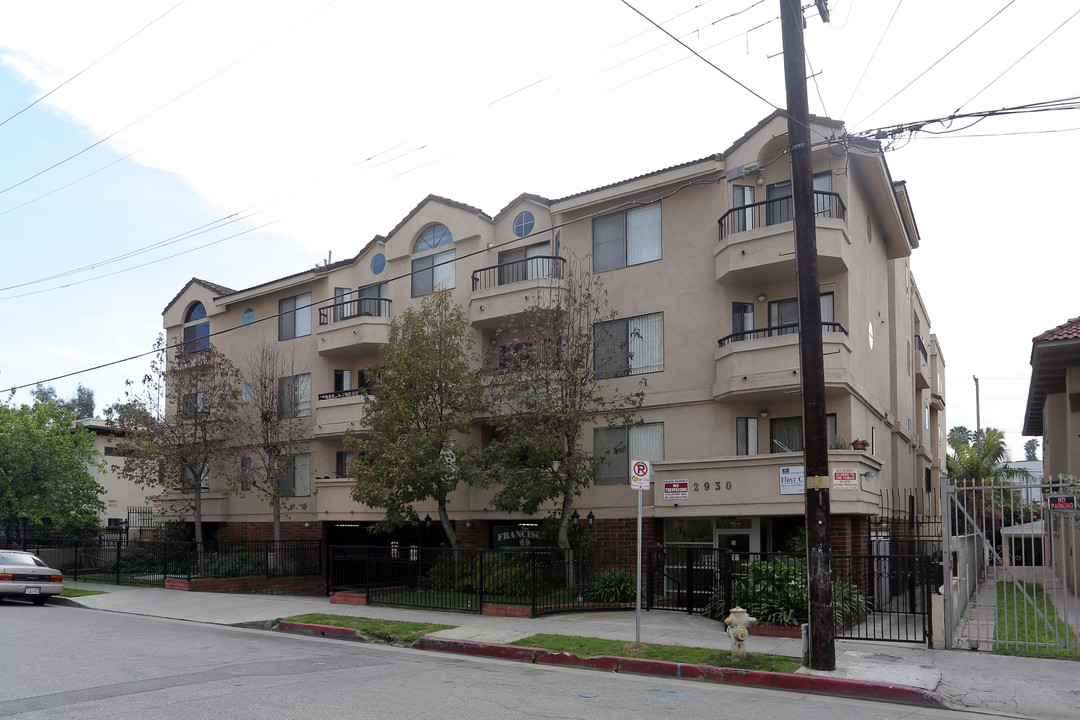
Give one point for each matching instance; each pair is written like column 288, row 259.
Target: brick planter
column 312, row 585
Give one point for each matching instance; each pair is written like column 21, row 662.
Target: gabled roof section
column 1052, row 354
column 218, row 290
column 814, row 120
column 542, row 201
column 444, row 201
column 707, row 158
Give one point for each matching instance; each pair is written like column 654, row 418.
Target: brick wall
column 623, row 532
column 256, row 585
column 477, row 537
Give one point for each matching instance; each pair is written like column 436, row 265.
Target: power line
column 169, row 102
column 872, row 55
column 699, row 56
column 1018, row 60
column 125, row 42
column 229, row 219
column 938, row 61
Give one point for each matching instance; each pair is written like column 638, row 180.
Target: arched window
column 196, row 333
column 249, row 316
column 435, row 236
column 433, row 273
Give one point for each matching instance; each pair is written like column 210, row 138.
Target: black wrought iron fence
column 149, row 562
column 538, row 581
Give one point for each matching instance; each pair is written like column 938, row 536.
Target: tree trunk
column 448, row 527
column 564, row 514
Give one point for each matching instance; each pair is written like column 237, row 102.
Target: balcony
column 766, row 360
column 922, row 365
column 354, row 328
column 499, row 291
column 749, row 485
column 757, row 241
column 338, row 412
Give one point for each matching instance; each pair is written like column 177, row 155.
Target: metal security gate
column 1012, row 568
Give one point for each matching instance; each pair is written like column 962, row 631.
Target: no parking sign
column 640, row 474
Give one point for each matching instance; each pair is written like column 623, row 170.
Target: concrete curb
column 814, row 684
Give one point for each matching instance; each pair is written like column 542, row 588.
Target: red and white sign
column 845, row 479
column 676, row 489
column 640, row 474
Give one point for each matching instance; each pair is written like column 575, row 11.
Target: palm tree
column 986, row 465
column 959, row 437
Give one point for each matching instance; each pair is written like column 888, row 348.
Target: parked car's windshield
column 19, row 559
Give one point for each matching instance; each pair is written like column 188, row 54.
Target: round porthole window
column 378, row 263
column 523, row 223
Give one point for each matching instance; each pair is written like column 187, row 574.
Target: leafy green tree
column 426, row 394
column 179, row 426
column 556, row 375
column 1031, row 447
column 81, row 403
column 45, row 466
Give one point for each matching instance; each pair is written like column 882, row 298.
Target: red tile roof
column 1066, row 331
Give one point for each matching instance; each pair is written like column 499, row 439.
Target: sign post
column 640, row 474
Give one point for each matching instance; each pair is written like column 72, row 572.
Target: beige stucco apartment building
column 699, row 258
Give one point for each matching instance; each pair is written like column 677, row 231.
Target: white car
column 25, row 575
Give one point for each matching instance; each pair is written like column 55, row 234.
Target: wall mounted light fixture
column 761, row 297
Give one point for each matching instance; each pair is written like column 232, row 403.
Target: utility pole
column 811, row 359
column 978, row 422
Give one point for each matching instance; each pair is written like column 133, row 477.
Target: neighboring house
column 699, row 260
column 1034, row 470
column 126, row 506
column 1053, row 413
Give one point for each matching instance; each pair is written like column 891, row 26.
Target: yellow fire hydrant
column 738, row 629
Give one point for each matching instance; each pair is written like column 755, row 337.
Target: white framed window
column 746, row 436
column 294, row 317
column 297, row 480
column 294, row 395
column 628, row 237
column 613, row 449
column 629, row 346
column 433, row 273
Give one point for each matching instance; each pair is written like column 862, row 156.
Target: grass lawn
column 594, row 647
column 1019, row 621
column 75, row 592
column 387, row 632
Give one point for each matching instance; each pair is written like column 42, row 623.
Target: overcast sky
column 241, row 141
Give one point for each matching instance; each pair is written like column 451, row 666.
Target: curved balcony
column 353, row 328
column 766, row 360
column 499, row 291
column 338, row 412
column 757, row 241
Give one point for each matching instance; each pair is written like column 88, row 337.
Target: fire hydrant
column 738, row 629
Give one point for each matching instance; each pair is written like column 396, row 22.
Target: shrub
column 506, row 575
column 775, row 592
column 613, row 586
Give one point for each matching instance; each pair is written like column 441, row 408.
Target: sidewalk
column 960, row 679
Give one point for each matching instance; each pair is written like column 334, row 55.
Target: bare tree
column 554, row 376
column 178, row 427
column 276, row 421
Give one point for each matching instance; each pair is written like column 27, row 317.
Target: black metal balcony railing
column 922, row 348
column 775, row 211
column 774, row 330
column 344, row 393
column 357, row 307
column 533, row 268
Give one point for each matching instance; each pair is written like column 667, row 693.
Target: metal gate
column 878, row 596
column 1010, row 562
